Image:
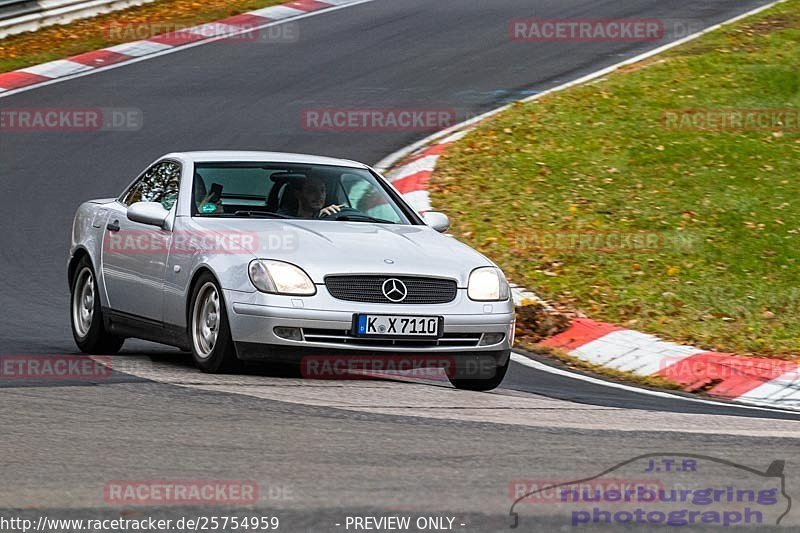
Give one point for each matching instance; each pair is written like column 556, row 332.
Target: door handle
column 113, row 226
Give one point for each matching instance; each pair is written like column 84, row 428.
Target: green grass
column 725, row 205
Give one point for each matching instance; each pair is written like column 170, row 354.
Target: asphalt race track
column 319, row 450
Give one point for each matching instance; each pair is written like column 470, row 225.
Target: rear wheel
column 88, row 328
column 480, row 376
column 212, row 347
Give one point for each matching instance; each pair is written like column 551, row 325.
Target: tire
column 460, row 379
column 213, row 350
column 86, row 315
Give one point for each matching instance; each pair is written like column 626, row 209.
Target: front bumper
column 326, row 323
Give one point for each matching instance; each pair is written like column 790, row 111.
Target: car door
column 135, row 255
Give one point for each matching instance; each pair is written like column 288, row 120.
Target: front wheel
column 88, row 328
column 212, row 347
column 483, row 373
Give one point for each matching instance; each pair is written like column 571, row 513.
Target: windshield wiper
column 262, row 214
column 364, row 218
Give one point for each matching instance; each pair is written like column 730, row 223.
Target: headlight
column 487, row 284
column 277, row 277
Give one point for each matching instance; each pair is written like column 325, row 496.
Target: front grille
column 369, row 289
column 335, row 336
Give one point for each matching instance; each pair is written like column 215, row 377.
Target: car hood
column 322, row 248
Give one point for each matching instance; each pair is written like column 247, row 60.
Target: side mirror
column 150, row 213
column 436, row 220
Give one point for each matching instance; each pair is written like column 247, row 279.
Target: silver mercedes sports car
column 244, row 256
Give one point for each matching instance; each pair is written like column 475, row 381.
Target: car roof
column 265, row 157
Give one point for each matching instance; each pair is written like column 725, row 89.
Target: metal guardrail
column 15, row 8
column 18, row 16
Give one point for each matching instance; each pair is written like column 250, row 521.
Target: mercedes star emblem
column 395, row 290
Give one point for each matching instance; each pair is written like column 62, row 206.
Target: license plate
column 397, row 326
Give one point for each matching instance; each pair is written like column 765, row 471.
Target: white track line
column 389, row 160
column 180, row 48
column 536, row 365
column 460, row 131
column 382, row 165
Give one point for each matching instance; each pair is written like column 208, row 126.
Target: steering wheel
column 343, row 211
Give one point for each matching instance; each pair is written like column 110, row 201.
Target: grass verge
column 84, row 35
column 599, row 200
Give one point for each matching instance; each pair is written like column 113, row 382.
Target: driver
column 311, row 199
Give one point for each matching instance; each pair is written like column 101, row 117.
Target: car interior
column 278, row 194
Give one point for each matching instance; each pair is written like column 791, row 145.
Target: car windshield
column 289, row 190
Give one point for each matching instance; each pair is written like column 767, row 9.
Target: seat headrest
column 200, row 190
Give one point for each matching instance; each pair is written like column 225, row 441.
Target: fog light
column 290, row 334
column 489, row 339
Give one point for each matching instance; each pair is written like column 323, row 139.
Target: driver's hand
column 330, row 210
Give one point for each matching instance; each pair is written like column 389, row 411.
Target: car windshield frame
column 407, row 215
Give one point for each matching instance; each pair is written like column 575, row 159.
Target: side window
column 160, row 183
